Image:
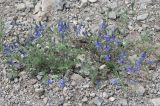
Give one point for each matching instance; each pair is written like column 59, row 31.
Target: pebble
column 112, row 15
column 21, row 6
column 92, row 94
column 123, row 102
column 112, row 99
column 140, row 90
column 102, row 67
column 45, row 100
column 92, row 1
column 85, row 99
column 98, row 101
column 155, row 101
column 142, row 17
column 61, row 100
column 76, row 77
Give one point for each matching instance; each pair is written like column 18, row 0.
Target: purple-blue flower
column 38, row 31
column 106, row 48
column 117, row 42
column 130, row 69
column 98, row 45
column 107, row 58
column 114, row 81
column 102, row 25
column 77, row 29
column 62, row 83
column 106, row 38
column 6, row 50
column 151, row 62
column 121, row 58
column 50, row 81
column 10, row 62
column 112, row 38
column 62, row 26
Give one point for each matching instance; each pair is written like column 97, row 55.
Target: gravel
column 24, row 90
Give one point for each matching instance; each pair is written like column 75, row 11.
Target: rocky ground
column 131, row 17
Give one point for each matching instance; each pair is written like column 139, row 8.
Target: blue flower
column 151, row 62
column 6, row 50
column 107, row 38
column 112, row 38
column 141, row 59
column 106, row 48
column 77, row 29
column 137, row 68
column 107, row 58
column 62, row 26
column 50, row 81
column 130, row 69
column 121, row 58
column 117, row 42
column 120, row 61
column 38, row 31
column 114, row 81
column 102, row 25
column 62, row 83
column 98, row 45
column 10, row 62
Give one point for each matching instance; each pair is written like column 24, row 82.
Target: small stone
column 33, row 81
column 112, row 5
column 85, row 99
column 155, row 101
column 102, row 67
column 45, row 100
column 98, row 101
column 123, row 102
column 39, row 77
column 21, row 6
column 76, row 77
column 142, row 17
column 157, row 52
column 61, row 100
column 16, row 80
column 93, row 1
column 92, row 94
column 139, row 89
column 157, row 28
column 39, row 91
column 112, row 15
column 112, row 99
column 105, row 95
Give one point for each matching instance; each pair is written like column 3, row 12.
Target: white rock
column 112, row 5
column 93, row 1
column 139, row 89
column 102, row 67
column 155, row 101
column 45, row 100
column 98, row 101
column 123, row 102
column 92, row 94
column 21, row 6
column 37, row 7
column 112, row 15
column 112, row 99
column 85, row 99
column 142, row 17
column 83, row 3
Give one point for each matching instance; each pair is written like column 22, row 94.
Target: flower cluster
column 38, row 30
column 138, row 63
column 62, row 26
column 9, row 48
column 112, row 48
